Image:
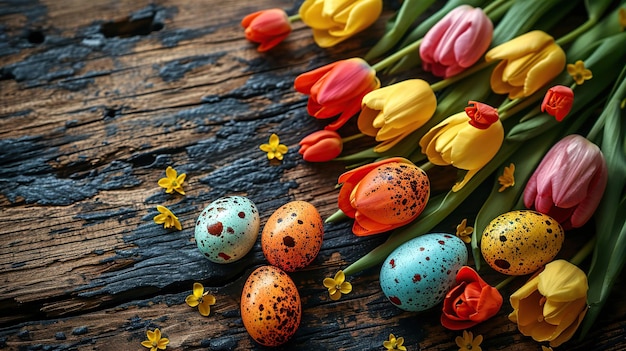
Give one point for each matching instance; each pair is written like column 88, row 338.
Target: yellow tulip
column 334, row 21
column 528, row 62
column 467, row 140
column 395, row 111
column 551, row 305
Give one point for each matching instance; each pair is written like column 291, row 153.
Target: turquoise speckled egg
column 227, row 229
column 417, row 274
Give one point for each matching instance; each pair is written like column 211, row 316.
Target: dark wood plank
column 96, row 100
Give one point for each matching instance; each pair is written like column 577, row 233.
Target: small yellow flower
column 167, row 218
column 337, row 286
column 468, row 342
column 621, row 16
column 579, row 72
column 464, row 232
column 202, row 299
column 172, row 181
column 394, row 344
column 155, row 341
column 546, row 348
column 507, row 179
column 274, row 149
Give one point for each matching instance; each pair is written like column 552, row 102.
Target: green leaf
column 595, row 8
column 399, row 24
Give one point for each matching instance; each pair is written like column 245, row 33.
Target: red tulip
column 558, row 101
column 323, row 145
column 481, row 115
column 337, row 88
column 267, row 27
column 470, row 302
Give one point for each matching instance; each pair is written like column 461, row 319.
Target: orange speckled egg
column 292, row 236
column 520, row 242
column 270, row 306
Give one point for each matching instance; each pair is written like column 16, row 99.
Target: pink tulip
column 456, row 42
column 320, row 146
column 569, row 182
column 337, row 89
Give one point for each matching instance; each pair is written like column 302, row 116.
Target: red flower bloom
column 558, row 101
column 481, row 115
column 267, row 27
column 337, row 88
column 323, row 145
column 470, row 302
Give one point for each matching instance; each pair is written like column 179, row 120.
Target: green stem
column 584, row 252
column 576, row 32
column 505, row 282
column 335, row 217
column 426, row 166
column 396, row 56
column 446, row 82
column 294, row 18
column 495, row 5
column 352, row 137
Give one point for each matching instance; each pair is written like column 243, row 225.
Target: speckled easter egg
column 227, row 229
column 292, row 236
column 270, row 306
column 417, row 274
column 520, row 242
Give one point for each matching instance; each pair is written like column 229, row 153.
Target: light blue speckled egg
column 227, row 229
column 418, row 274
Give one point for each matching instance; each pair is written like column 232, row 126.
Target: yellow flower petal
column 192, row 301
column 204, row 308
column 198, row 290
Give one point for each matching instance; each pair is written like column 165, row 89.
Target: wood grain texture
column 97, row 98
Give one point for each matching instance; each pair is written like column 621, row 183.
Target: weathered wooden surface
column 97, row 98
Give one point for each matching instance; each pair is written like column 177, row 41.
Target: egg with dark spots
column 520, row 242
column 227, row 229
column 270, row 306
column 418, row 274
column 292, row 236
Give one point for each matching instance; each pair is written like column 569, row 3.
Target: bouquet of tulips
column 543, row 113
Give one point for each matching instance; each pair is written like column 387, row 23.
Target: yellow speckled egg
column 270, row 306
column 520, row 242
column 292, row 236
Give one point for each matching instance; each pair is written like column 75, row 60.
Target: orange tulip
column 267, row 27
column 323, row 145
column 383, row 195
column 337, row 89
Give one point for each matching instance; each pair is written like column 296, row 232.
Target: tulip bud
column 558, row 101
column 321, row 146
column 481, row 115
column 569, row 182
column 267, row 27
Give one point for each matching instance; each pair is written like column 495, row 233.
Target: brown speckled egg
column 520, row 242
column 270, row 306
column 292, row 236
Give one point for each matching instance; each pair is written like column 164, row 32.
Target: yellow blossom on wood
column 579, row 72
column 155, row 341
column 203, row 300
column 172, row 181
column 507, row 179
column 167, row 218
column 468, row 343
column 464, row 232
column 337, row 286
column 394, row 344
column 274, row 149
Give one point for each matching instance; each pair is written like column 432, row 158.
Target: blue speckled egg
column 227, row 229
column 417, row 274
